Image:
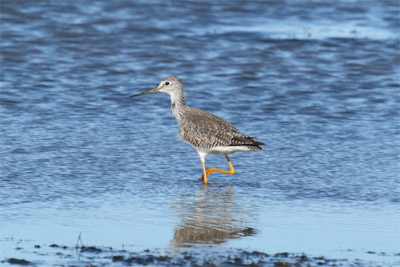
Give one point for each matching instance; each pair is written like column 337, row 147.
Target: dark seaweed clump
column 106, row 256
column 18, row 261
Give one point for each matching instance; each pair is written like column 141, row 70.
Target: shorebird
column 204, row 132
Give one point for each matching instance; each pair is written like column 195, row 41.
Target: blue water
column 317, row 81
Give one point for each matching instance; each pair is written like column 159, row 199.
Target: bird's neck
column 178, row 104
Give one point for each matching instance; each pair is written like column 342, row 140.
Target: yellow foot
column 207, row 173
column 205, row 181
column 211, row 170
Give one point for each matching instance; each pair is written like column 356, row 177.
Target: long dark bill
column 155, row 90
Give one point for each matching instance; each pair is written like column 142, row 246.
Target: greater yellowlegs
column 205, row 132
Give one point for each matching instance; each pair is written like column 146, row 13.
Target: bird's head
column 169, row 85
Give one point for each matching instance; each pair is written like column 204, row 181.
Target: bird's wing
column 203, row 129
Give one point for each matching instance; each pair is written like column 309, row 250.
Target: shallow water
column 320, row 88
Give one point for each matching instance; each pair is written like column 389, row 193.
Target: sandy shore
column 55, row 254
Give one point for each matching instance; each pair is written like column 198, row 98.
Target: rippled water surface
column 317, row 81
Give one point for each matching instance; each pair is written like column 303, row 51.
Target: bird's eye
column 166, row 83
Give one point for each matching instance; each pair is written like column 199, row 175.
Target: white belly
column 221, row 149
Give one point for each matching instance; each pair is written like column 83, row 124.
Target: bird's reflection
column 211, row 216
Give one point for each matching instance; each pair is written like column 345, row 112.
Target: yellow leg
column 211, row 170
column 204, row 177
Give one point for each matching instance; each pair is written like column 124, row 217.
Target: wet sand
column 80, row 255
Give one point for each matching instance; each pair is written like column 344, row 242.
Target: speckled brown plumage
column 204, row 130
